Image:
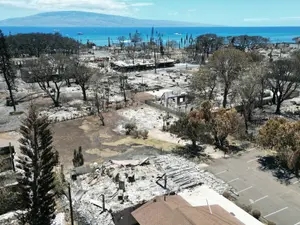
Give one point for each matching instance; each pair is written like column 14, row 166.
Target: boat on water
column 80, row 33
column 179, row 34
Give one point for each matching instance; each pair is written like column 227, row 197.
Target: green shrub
column 129, row 127
column 256, row 214
column 144, row 134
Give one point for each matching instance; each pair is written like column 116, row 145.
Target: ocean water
column 99, row 35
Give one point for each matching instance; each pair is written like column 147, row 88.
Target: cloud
column 256, row 19
column 290, row 18
column 142, row 4
column 118, row 7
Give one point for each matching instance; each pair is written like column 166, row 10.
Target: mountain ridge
column 90, row 19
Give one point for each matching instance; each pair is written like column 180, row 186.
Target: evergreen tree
column 36, row 163
column 80, row 156
column 78, row 159
column 6, row 68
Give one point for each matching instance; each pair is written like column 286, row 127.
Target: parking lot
column 277, row 201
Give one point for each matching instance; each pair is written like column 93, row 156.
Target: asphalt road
column 278, row 202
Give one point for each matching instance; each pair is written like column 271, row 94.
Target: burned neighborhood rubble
column 114, row 189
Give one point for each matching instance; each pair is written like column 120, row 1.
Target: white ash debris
column 127, row 186
column 65, row 113
column 10, row 218
column 187, row 174
column 145, row 117
column 59, row 219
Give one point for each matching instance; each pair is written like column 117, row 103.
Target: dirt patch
column 129, row 141
column 103, row 153
column 142, row 96
column 87, row 133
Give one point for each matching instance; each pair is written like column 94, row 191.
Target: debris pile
column 116, row 186
column 65, row 113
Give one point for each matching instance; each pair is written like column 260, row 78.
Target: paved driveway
column 277, row 201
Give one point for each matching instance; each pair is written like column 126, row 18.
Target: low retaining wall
column 163, row 108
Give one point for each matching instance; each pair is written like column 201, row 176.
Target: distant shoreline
column 99, row 35
column 133, row 27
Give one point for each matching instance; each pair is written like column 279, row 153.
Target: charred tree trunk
column 84, row 93
column 246, row 117
column 68, row 82
column 274, row 91
column 6, row 68
column 101, row 118
column 261, row 104
column 278, row 106
column 9, row 87
column 225, row 95
column 124, row 95
column 57, row 95
column 211, row 93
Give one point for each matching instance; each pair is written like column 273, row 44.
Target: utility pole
column 71, row 207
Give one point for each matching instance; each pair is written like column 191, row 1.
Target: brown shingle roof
column 158, row 210
column 176, row 211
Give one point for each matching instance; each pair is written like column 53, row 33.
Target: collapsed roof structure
column 115, row 189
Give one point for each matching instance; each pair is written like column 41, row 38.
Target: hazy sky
column 217, row 12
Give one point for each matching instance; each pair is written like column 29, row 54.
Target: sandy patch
column 88, row 126
column 148, row 142
column 213, row 152
column 85, row 125
column 166, row 137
